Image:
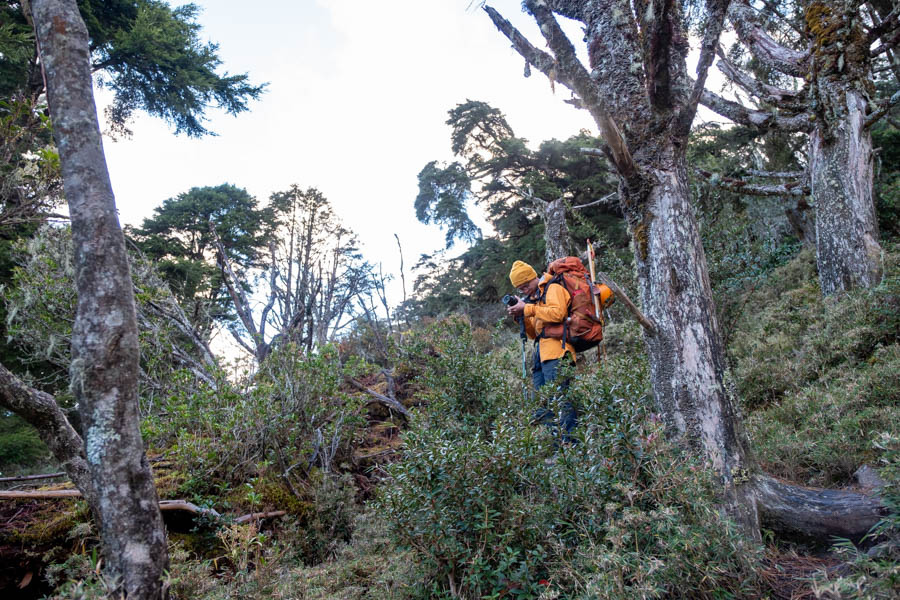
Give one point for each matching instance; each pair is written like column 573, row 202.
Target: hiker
column 544, row 303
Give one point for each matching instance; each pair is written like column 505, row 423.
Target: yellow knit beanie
column 521, row 273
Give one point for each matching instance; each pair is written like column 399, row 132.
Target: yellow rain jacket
column 553, row 309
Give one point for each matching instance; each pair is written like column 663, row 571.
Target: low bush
column 489, row 507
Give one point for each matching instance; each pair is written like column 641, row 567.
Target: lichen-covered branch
column 761, row 44
column 758, row 119
column 790, row 188
column 40, row 410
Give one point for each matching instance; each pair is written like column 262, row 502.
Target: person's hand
column 516, row 310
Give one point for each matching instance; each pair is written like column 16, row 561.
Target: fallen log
column 38, row 494
column 380, row 398
column 31, row 477
column 164, row 505
column 816, row 513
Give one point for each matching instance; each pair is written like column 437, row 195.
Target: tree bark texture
column 841, row 163
column 687, row 356
column 556, row 230
column 848, row 253
column 105, row 351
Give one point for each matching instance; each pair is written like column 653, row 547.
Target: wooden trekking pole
column 598, row 312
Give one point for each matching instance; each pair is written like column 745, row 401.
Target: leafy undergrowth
column 819, row 378
column 469, row 500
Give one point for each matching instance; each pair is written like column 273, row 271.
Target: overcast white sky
column 358, row 93
column 356, row 103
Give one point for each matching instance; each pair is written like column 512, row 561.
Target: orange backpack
column 581, row 328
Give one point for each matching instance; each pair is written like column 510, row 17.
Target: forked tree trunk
column 848, row 253
column 105, row 351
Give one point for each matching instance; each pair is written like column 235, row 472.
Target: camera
column 510, row 300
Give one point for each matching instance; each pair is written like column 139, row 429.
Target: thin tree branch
column 792, row 188
column 602, row 200
column 646, row 323
column 757, row 119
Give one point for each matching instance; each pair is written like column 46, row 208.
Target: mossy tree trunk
column 834, row 111
column 556, row 229
column 841, row 161
column 105, row 349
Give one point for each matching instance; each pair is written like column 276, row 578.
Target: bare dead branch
column 31, row 477
column 715, row 10
column 876, row 116
column 791, row 188
column 260, row 515
column 388, row 402
column 763, row 91
column 38, row 494
column 646, row 323
column 241, row 304
column 776, row 174
column 757, row 119
column 889, row 44
column 603, row 200
column 888, row 24
column 568, row 70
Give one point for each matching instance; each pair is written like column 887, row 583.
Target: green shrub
column 293, row 418
column 489, row 508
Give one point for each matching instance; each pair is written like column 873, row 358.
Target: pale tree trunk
column 687, row 357
column 105, row 351
column 556, row 230
column 848, row 253
column 838, row 66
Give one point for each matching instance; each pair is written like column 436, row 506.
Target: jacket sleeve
column 555, row 306
column 529, row 326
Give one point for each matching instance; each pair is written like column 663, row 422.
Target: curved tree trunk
column 105, row 351
column 42, row 412
column 848, row 253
